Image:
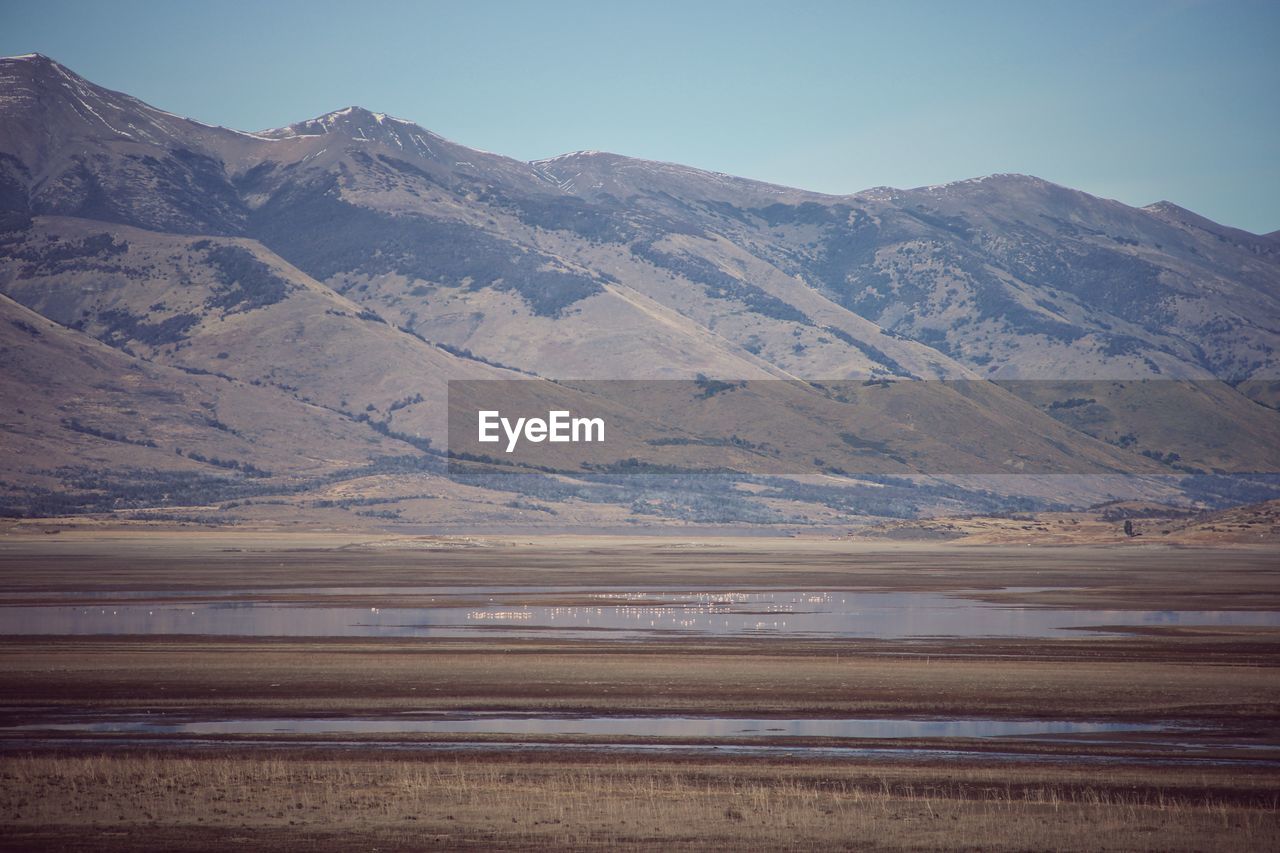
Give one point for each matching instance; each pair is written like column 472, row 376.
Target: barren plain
column 473, row 724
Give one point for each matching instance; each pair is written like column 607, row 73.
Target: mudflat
column 1198, row 769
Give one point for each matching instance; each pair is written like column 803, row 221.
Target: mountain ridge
column 327, row 121
column 353, row 263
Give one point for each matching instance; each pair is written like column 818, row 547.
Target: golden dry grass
column 141, row 801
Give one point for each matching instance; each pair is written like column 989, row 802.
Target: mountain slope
column 1006, row 276
column 79, row 408
column 333, row 275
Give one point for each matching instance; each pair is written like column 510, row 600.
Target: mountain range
column 205, row 323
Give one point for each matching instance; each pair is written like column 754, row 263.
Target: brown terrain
column 226, row 362
column 210, row 325
column 1212, row 785
column 1255, row 524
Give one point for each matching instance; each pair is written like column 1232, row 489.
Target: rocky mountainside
column 290, row 304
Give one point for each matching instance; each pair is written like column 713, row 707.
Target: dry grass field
column 287, row 802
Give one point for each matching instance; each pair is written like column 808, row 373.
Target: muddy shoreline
column 1208, row 781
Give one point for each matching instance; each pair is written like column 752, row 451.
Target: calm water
column 564, row 724
column 625, row 614
column 1244, row 757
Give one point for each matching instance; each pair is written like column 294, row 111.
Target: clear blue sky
column 1128, row 99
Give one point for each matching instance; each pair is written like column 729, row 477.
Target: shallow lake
column 541, row 611
column 612, row 726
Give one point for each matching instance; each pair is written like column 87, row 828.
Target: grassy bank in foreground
column 282, row 802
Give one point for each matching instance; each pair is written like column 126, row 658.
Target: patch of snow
column 422, row 143
column 569, row 156
column 77, row 91
column 257, row 136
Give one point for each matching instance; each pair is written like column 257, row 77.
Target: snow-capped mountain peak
column 362, row 125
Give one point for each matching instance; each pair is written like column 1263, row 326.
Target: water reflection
column 568, row 725
column 625, row 614
column 790, row 751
